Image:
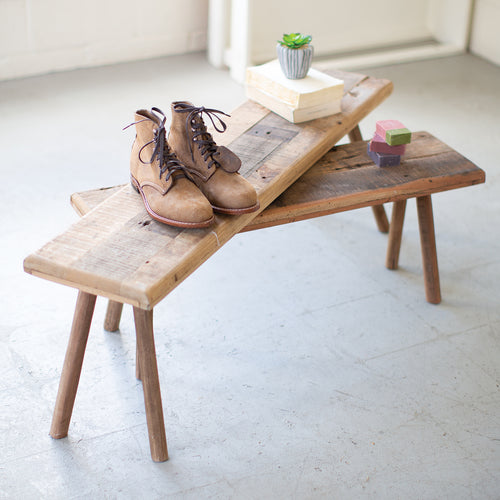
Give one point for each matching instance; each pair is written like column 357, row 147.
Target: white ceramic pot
column 295, row 63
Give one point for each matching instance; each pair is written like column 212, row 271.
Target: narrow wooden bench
column 118, row 252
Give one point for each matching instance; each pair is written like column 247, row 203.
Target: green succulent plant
column 295, row 40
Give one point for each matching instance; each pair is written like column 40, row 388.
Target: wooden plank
column 343, row 180
column 346, row 179
column 117, row 251
column 85, row 202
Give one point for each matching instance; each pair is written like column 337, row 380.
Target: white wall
column 485, row 38
column 353, row 34
column 336, row 26
column 40, row 36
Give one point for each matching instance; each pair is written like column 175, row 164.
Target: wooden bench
column 346, row 179
column 118, row 252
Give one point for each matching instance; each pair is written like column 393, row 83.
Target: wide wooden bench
column 347, row 179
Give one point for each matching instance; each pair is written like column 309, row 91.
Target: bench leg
column 151, row 384
column 137, row 362
column 381, row 218
column 112, row 324
column 429, row 254
column 72, row 367
column 378, row 210
column 355, row 134
column 395, row 234
column 113, row 316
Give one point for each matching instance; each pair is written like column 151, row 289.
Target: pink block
column 393, row 132
column 378, row 145
column 384, row 125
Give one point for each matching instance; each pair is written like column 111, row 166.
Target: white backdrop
column 40, row 36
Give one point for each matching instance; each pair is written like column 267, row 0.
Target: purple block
column 382, row 159
column 378, row 145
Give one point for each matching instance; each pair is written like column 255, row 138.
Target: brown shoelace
column 204, row 140
column 169, row 162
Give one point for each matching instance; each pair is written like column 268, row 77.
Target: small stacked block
column 388, row 143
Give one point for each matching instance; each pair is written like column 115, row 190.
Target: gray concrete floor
column 292, row 364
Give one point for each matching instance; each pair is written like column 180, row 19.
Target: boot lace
column 201, row 137
column 169, row 163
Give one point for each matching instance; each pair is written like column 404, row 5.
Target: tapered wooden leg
column 151, row 384
column 378, row 210
column 113, row 316
column 381, row 218
column 429, row 254
column 395, row 234
column 355, row 134
column 72, row 367
column 137, row 362
column 112, row 324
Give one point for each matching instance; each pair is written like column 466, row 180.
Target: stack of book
column 315, row 96
column 388, row 143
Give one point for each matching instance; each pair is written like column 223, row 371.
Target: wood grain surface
column 117, row 251
column 346, row 178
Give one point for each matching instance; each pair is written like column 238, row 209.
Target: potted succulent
column 295, row 54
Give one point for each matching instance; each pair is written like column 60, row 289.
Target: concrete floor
column 292, row 364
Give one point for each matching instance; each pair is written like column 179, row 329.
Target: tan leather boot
column 214, row 168
column 168, row 193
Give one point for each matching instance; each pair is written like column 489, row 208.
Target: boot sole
column 164, row 220
column 236, row 211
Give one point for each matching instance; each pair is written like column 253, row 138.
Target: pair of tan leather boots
column 185, row 179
